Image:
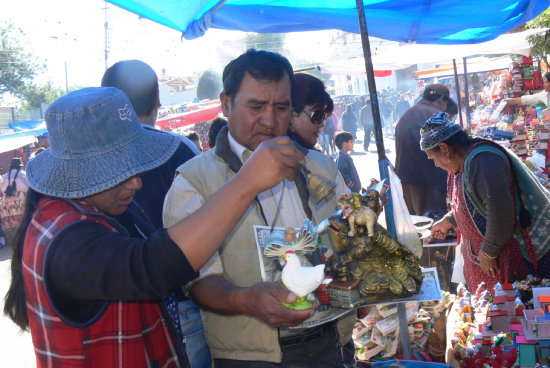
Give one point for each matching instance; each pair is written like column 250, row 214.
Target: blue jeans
column 193, row 332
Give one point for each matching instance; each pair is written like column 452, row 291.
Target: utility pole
column 66, row 80
column 106, row 38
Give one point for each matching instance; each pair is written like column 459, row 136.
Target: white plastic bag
column 404, row 227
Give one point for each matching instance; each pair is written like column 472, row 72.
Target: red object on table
column 322, row 293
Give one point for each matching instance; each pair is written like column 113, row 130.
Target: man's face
column 546, row 84
column 260, row 110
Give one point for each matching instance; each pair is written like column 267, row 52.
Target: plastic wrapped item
column 390, row 324
column 404, row 227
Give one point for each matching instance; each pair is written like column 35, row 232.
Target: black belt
column 310, row 335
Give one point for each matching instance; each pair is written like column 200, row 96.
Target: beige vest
column 242, row 337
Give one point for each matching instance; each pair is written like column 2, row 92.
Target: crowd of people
column 136, row 248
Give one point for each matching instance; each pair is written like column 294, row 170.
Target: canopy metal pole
column 467, row 94
column 458, row 94
column 382, row 163
column 378, row 137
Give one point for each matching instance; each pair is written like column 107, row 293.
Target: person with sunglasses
column 311, row 106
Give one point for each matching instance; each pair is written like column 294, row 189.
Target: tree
column 17, row 68
column 540, row 44
column 33, row 96
column 209, row 86
column 265, row 41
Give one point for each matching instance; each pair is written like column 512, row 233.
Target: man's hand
column 441, row 228
column 272, row 161
column 489, row 265
column 264, row 302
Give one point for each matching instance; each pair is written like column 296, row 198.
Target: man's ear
column 157, row 102
column 444, row 148
column 226, row 101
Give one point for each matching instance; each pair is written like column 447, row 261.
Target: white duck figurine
column 301, row 280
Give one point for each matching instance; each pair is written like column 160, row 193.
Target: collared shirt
column 542, row 96
column 291, row 211
column 290, row 215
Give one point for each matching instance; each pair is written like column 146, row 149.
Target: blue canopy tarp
column 9, row 142
column 437, row 22
column 21, row 126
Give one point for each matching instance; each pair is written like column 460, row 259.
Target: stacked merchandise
column 519, row 142
column 521, row 79
column 376, row 336
column 510, row 328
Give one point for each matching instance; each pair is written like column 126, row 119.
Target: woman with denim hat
column 89, row 277
column 499, row 207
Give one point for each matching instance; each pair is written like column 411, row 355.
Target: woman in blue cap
column 501, row 210
column 90, row 278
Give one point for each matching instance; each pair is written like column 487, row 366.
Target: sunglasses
column 317, row 116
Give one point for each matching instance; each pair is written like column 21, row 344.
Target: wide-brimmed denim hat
column 96, row 142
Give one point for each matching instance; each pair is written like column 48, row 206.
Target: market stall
column 445, row 23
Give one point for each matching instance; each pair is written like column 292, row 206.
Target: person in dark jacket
column 424, row 185
column 349, row 121
column 386, row 113
column 140, row 83
column 401, row 107
column 344, row 142
column 367, row 122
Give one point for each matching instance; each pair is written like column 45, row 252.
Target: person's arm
column 87, row 261
column 261, row 300
column 442, row 227
column 489, row 180
column 514, row 100
column 272, row 161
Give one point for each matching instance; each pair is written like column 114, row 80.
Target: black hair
column 193, row 136
column 341, row 138
column 547, row 76
column 138, row 80
column 214, row 129
column 15, row 163
column 15, row 305
column 457, row 141
column 452, row 107
column 310, row 90
column 260, row 64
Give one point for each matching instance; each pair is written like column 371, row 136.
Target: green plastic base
column 302, row 303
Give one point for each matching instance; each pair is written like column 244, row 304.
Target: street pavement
column 16, row 350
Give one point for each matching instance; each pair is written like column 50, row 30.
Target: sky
column 72, row 33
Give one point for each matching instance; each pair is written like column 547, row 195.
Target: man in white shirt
column 543, row 96
column 242, row 314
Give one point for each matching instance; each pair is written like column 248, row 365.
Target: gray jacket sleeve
column 489, row 181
